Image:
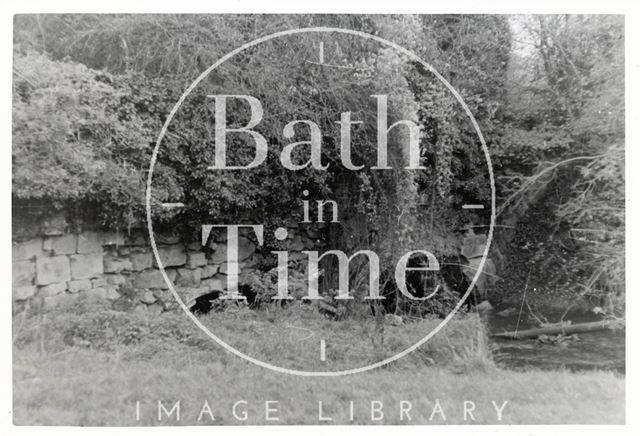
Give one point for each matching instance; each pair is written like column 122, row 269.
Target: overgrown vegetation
column 561, row 158
column 91, row 93
column 287, row 337
column 88, row 365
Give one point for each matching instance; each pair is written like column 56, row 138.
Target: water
column 603, row 350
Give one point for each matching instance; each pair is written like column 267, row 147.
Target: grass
column 89, row 366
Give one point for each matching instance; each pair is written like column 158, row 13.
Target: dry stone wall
column 58, row 267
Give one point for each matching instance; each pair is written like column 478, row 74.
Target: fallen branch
column 532, row 179
column 564, row 329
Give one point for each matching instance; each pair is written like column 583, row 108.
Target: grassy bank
column 99, row 367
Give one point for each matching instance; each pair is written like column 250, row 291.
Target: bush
column 91, row 323
column 77, row 138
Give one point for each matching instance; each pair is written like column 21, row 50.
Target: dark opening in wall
column 205, row 303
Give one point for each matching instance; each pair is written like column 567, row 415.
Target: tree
column 565, row 146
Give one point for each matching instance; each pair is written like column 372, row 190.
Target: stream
column 604, row 350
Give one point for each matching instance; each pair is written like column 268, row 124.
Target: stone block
column 172, row 255
column 86, row 266
column 89, row 242
column 115, row 279
column 65, row 244
column 209, row 271
column 23, row 273
column 245, row 249
column 224, row 268
column 151, row 279
column 52, row 270
column 103, row 292
column 141, row 261
column 214, row 284
column 52, row 289
column 195, row 260
column 163, row 295
column 117, row 264
column 147, row 297
column 76, row 286
column 220, row 255
column 188, row 277
column 172, row 273
column 27, row 250
column 21, row 293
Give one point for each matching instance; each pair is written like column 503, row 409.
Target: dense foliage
column 92, row 92
column 563, row 150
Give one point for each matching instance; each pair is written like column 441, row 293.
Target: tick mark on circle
column 172, row 205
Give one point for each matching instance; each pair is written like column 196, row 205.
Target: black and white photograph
column 304, row 219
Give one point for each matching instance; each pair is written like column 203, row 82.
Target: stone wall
column 57, row 267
